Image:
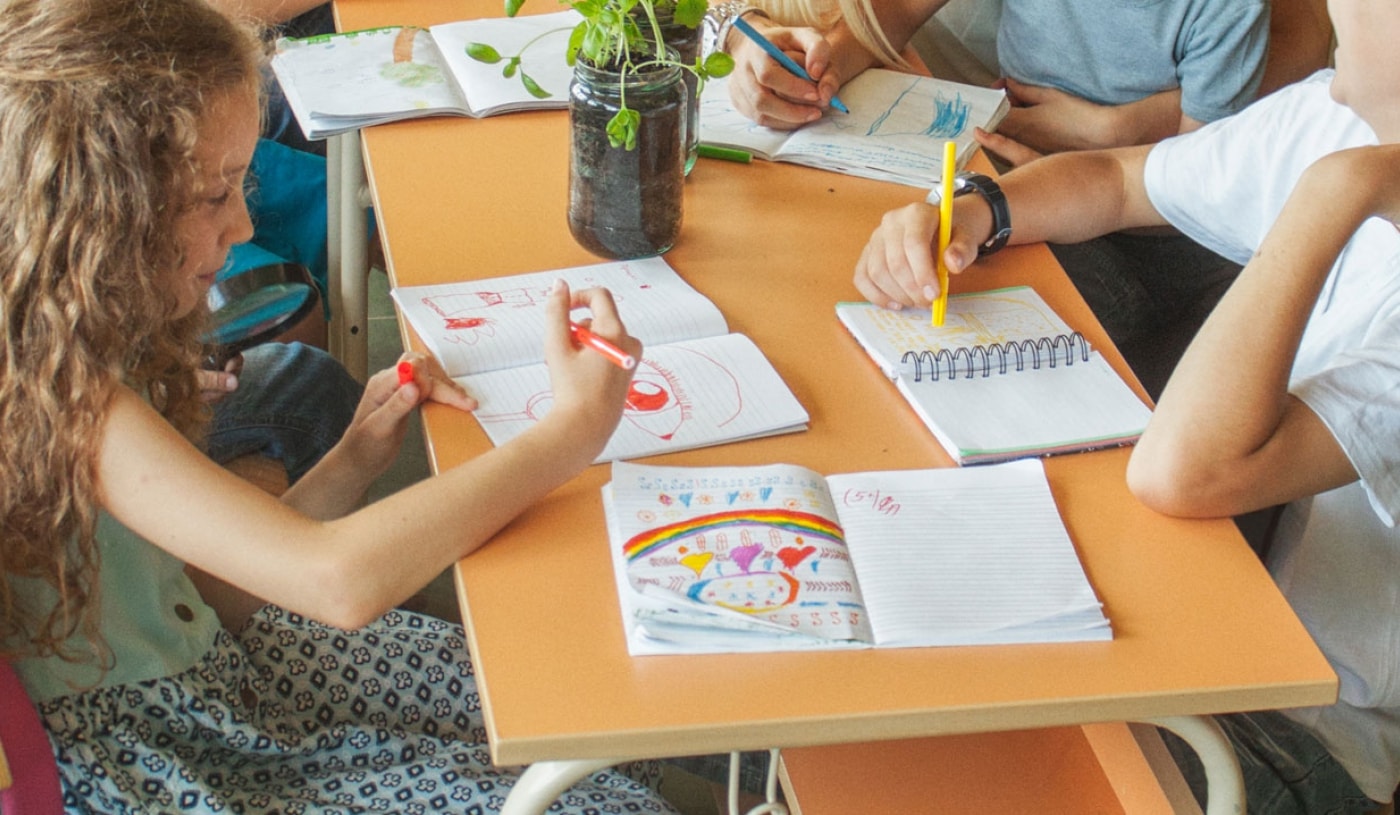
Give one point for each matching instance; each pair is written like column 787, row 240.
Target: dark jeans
column 1150, row 292
column 293, row 403
column 1286, row 770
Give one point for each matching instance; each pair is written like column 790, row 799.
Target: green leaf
column 513, row 6
column 575, row 43
column 533, row 87
column 595, row 46
column 689, row 13
column 718, row 64
column 511, row 68
column 622, row 128
column 481, row 52
column 588, row 8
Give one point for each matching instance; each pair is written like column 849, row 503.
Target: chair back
column 32, row 787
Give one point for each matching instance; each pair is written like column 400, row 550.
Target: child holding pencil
column 128, row 132
column 1291, row 390
column 1081, row 75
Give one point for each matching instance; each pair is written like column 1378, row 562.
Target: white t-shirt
column 1336, row 556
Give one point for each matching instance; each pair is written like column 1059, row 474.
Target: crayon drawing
column 768, row 549
column 922, row 111
column 987, row 319
column 406, row 72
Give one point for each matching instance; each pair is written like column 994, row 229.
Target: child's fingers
column 556, row 309
column 605, row 322
column 1023, row 95
column 414, row 381
column 1011, row 151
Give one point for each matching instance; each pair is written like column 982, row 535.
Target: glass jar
column 626, row 203
column 685, row 41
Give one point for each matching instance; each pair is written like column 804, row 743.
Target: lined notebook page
column 968, row 556
column 683, row 395
column 487, row 325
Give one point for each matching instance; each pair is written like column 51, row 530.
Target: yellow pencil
column 945, row 225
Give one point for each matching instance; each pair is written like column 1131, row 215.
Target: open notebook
column 695, row 385
column 340, row 82
column 777, row 558
column 1004, row 377
column 895, row 131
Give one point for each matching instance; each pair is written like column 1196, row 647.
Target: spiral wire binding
column 1047, row 351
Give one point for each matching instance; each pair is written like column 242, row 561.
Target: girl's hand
column 589, row 390
column 897, row 267
column 381, row 420
column 766, row 92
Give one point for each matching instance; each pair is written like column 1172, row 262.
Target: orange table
column 1199, row 626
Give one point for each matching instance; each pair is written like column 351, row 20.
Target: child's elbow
column 346, row 599
column 351, row 615
column 1174, row 484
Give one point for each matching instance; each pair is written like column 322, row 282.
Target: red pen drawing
column 660, row 400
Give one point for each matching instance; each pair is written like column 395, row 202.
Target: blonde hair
column 100, row 105
column 823, row 14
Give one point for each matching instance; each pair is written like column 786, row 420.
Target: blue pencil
column 783, row 59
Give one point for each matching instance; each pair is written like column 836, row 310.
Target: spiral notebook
column 1003, row 378
column 779, row 558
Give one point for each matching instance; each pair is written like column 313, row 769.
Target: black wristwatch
column 995, row 198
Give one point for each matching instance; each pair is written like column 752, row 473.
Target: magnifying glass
column 254, row 306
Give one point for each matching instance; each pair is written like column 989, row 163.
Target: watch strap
column 990, row 191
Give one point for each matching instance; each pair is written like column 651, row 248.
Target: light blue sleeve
column 1221, row 57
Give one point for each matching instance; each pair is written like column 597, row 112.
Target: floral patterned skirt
column 291, row 716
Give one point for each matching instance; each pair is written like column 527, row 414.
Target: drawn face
column 218, row 218
column 1368, row 63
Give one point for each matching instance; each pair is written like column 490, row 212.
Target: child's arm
column 265, row 12
column 337, row 484
column 346, row 572
column 1228, row 437
column 1046, row 120
column 1065, row 198
column 766, row 93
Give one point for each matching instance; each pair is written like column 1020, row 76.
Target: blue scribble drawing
column 947, row 118
column 950, row 117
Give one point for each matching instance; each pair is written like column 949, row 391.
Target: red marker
column 405, row 373
column 615, row 355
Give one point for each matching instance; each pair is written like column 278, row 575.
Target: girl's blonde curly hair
column 859, row 16
column 101, row 102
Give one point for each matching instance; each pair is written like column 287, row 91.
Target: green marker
column 724, row 153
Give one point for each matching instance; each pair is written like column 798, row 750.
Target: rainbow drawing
column 796, row 523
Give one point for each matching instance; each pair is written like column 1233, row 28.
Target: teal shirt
column 152, row 618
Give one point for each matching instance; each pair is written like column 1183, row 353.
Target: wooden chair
column 28, row 771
